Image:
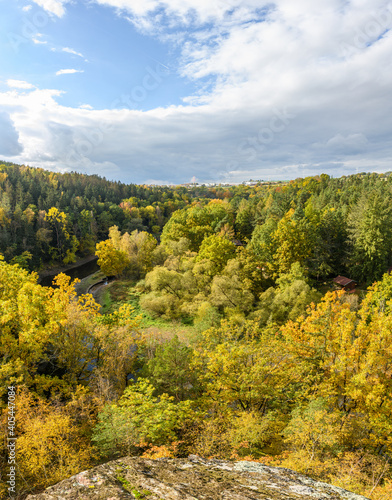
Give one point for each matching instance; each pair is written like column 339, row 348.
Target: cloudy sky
column 160, row 91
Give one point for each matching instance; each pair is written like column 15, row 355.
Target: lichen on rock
column 191, row 479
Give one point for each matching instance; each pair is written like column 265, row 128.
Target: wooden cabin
column 344, row 283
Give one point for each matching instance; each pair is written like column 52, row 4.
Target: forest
column 221, row 333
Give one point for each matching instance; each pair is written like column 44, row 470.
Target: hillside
column 222, row 332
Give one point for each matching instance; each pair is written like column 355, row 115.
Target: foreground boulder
column 191, row 479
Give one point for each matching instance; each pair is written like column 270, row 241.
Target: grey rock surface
column 191, row 479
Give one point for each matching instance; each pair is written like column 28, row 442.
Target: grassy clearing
column 85, row 283
column 117, row 293
column 123, row 291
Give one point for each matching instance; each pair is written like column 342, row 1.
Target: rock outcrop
column 191, row 479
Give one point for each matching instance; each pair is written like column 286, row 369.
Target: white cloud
column 213, row 143
column 68, row 71
column 19, row 84
column 26, row 8
column 187, row 11
column 71, row 51
column 37, row 41
column 55, row 7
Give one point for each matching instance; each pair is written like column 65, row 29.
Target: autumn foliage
column 273, row 366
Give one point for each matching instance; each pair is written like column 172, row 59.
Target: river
column 82, row 270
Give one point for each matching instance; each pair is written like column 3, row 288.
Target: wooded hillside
column 253, row 352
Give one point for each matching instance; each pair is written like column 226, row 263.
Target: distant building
column 344, row 283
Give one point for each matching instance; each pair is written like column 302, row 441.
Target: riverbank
column 85, row 284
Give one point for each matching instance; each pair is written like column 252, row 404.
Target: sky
column 165, row 91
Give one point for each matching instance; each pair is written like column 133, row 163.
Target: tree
column 313, row 429
column 170, row 370
column 26, row 326
column 139, row 419
column 329, row 254
column 294, row 241
column 262, row 244
column 197, row 222
column 22, row 260
column 324, row 344
column 163, row 279
column 370, row 228
column 345, row 359
column 51, row 444
column 229, row 292
column 191, row 223
column 58, row 221
column 247, row 267
column 111, row 260
column 244, row 222
column 118, row 343
column 243, row 367
column 87, row 228
column 130, row 252
column 218, row 249
column 288, row 300
column 139, row 247
column 166, row 292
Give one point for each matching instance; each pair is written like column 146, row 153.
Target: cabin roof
column 343, row 281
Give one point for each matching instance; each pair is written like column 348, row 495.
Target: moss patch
column 132, row 489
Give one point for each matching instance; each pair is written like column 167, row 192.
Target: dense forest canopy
column 331, row 226
column 83, row 207
column 259, row 357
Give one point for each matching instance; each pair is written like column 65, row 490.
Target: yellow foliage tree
column 294, row 243
column 58, row 221
column 50, row 443
column 111, row 260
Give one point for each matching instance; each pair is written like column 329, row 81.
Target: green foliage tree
column 170, row 370
column 370, row 223
column 229, row 292
column 218, row 249
column 262, row 243
column 191, row 223
column 196, row 222
column 294, row 242
column 139, row 419
column 288, row 300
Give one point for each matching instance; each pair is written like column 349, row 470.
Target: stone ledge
column 193, row 478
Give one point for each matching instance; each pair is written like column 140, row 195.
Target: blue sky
column 110, row 54
column 159, row 91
